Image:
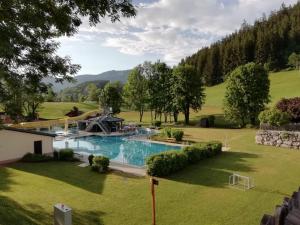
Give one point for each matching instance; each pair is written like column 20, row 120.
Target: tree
column 247, row 93
column 93, row 92
column 50, row 95
column 159, row 87
column 11, row 97
column 111, row 96
column 33, row 95
column 294, row 60
column 189, row 90
column 136, row 91
column 269, row 41
column 28, row 46
column 81, row 97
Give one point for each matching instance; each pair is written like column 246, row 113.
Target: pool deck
column 128, row 169
column 114, row 166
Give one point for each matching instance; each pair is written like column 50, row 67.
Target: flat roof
column 29, row 131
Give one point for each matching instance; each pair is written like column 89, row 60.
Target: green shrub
column 166, row 163
column 215, row 146
column 90, row 158
column 100, row 164
column 157, row 123
column 177, row 134
column 195, row 153
column 30, row 157
column 167, row 132
column 200, row 151
column 66, row 154
column 274, row 117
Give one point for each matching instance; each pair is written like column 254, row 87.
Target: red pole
column 153, row 202
column 153, row 183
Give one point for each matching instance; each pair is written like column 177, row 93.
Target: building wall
column 14, row 145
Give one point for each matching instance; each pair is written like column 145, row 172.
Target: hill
column 112, row 75
column 72, row 94
column 269, row 41
column 283, row 84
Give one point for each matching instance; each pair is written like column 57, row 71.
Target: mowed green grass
column 283, row 84
column 55, row 110
column 197, row 195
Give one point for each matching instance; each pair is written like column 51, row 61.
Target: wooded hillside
column 269, row 41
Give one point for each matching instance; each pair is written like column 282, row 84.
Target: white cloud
column 173, row 29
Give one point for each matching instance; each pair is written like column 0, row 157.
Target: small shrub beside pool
column 166, row 163
column 100, row 164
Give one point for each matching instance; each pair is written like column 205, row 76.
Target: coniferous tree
column 269, row 42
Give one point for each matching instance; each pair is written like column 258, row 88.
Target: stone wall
column 286, row 139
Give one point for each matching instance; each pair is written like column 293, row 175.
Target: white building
column 15, row 143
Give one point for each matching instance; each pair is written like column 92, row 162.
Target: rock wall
column 286, row 139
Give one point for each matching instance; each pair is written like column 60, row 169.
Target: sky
column 168, row 30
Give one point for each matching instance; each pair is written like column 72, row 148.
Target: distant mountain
column 112, row 75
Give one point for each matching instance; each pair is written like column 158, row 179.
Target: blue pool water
column 119, row 149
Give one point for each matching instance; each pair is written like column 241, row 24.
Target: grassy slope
column 54, row 110
column 197, row 195
column 283, row 84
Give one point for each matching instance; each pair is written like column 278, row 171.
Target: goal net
column 241, row 182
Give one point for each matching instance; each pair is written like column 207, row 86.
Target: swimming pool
column 119, row 149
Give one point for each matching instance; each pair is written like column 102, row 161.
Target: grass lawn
column 55, row 110
column 283, row 84
column 197, row 195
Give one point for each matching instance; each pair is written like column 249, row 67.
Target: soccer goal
column 241, row 182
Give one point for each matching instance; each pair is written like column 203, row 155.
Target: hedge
column 30, row 157
column 200, row 151
column 166, row 163
column 66, row 154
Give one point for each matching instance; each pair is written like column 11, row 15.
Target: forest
column 269, row 42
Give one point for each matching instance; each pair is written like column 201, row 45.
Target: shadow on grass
column 215, row 172
column 11, row 212
column 66, row 172
column 220, row 121
column 5, row 179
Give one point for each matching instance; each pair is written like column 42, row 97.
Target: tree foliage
column 294, row 60
column 111, row 96
column 247, row 93
column 93, row 92
column 269, row 42
column 28, row 31
column 136, row 94
column 189, row 90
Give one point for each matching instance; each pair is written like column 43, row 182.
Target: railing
column 100, row 124
column 49, row 123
